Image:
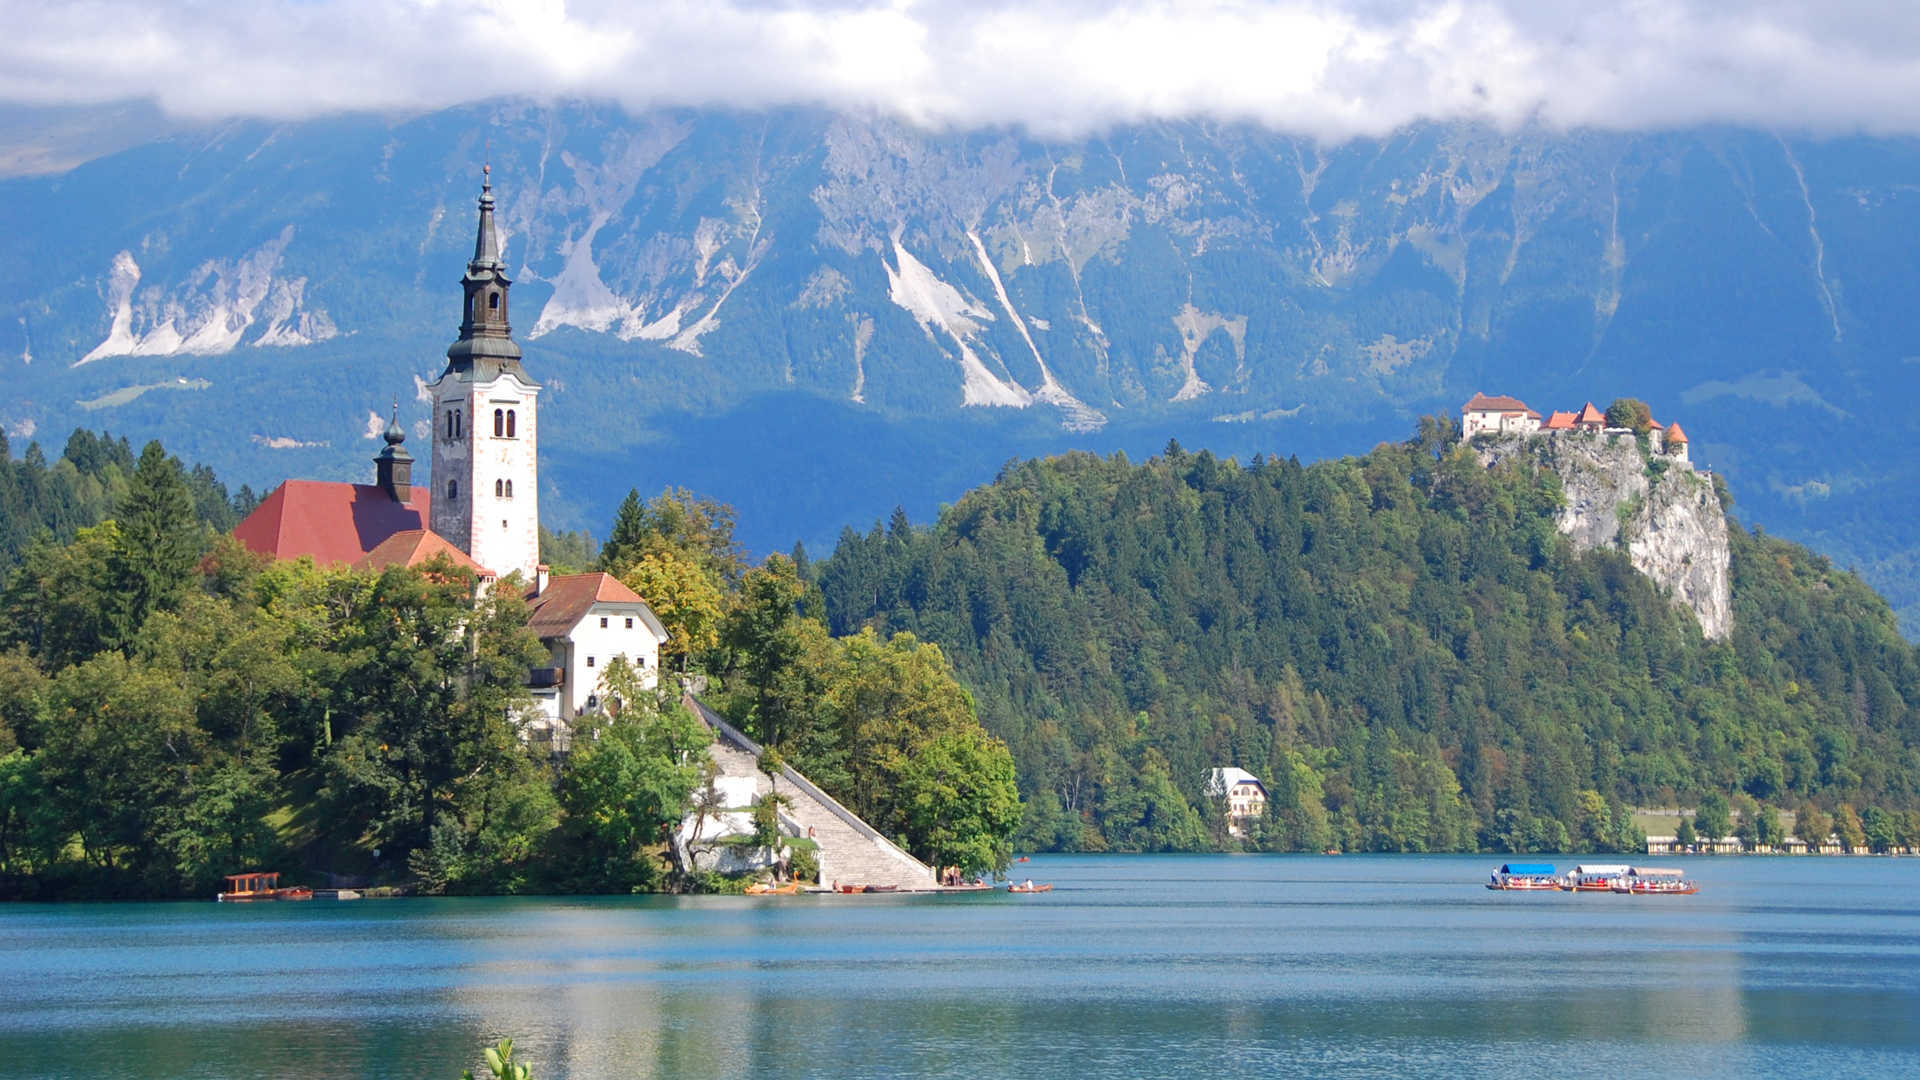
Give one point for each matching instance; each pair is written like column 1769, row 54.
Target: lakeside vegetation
column 174, row 709
column 1401, row 645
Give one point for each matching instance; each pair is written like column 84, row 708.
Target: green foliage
column 501, row 1065
column 1713, row 818
column 675, row 520
column 86, row 486
column 629, row 781
column 806, row 863
column 1402, row 646
column 960, row 801
column 1630, row 413
column 568, row 552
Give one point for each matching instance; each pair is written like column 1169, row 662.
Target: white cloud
column 1057, row 67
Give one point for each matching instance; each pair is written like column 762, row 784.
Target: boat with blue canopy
column 1525, row 877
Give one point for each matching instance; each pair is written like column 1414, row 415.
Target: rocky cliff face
column 1662, row 512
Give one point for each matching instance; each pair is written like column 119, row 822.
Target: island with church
column 444, row 712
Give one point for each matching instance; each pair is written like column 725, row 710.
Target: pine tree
column 161, row 539
column 629, row 531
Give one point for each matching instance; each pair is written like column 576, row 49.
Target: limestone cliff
column 1661, row 511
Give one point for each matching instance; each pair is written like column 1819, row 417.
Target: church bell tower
column 485, row 436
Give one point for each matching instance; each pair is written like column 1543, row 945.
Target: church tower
column 485, row 437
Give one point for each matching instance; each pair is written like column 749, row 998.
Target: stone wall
column 851, row 851
column 1658, row 508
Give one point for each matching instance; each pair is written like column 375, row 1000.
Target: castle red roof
column 1590, row 415
column 1559, row 421
column 1674, row 434
column 415, row 546
column 568, row 597
column 1501, row 403
column 332, row 522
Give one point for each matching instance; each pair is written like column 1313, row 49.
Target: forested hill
column 1401, row 645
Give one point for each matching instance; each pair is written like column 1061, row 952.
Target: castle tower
column 485, row 437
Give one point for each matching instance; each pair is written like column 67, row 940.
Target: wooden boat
column 1030, row 887
column 261, row 886
column 1525, row 877
column 1659, row 881
column 883, row 888
column 763, row 889
column 1597, row 878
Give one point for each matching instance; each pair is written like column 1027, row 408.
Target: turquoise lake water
column 1135, row 966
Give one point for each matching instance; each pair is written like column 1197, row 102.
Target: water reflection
column 1132, row 967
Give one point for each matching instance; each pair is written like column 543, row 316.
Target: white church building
column 482, row 507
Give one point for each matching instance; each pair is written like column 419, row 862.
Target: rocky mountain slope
column 781, row 307
column 1663, row 513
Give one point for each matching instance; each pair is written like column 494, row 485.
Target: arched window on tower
column 493, row 301
column 509, row 489
column 453, row 490
column 449, row 423
column 459, row 423
column 510, row 424
column 499, row 422
column 499, row 488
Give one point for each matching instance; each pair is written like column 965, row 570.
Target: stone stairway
column 851, row 851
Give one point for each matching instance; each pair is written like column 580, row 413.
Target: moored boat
column 1030, row 887
column 1525, row 877
column 260, row 886
column 763, row 889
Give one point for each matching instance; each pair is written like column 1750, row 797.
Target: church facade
column 481, row 507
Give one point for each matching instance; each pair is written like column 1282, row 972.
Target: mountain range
column 819, row 315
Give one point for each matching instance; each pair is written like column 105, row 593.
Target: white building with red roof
column 586, row 620
column 1497, row 414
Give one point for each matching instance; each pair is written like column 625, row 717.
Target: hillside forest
column 1402, row 646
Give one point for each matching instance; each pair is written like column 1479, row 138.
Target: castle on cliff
column 1485, row 414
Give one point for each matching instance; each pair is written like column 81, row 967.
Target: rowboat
column 762, row 889
column 1030, row 887
column 260, row 886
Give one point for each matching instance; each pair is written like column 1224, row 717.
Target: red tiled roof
column 416, row 546
column 568, row 597
column 1590, row 415
column 1559, row 421
column 333, row 522
column 1482, row 403
column 1674, row 434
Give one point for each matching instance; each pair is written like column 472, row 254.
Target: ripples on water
column 1142, row 966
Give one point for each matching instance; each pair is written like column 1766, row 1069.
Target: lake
column 1135, row 966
